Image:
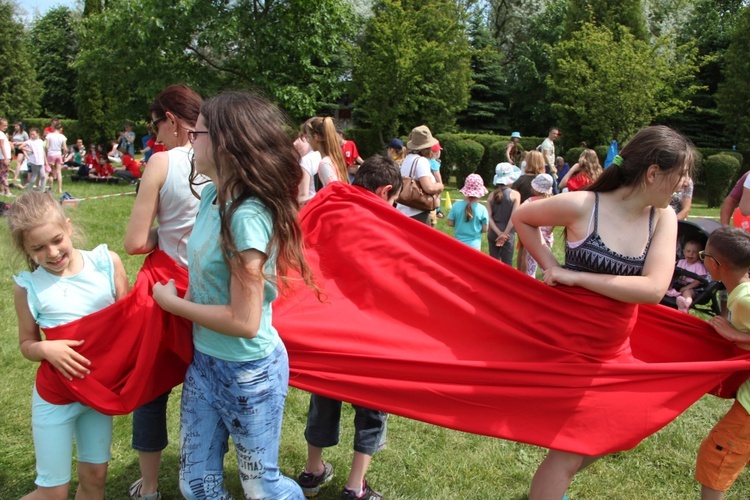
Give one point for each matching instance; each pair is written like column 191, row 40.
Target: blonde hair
column 589, row 163
column 398, row 155
column 31, row 210
column 534, row 163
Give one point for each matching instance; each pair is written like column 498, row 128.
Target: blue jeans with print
column 244, row 400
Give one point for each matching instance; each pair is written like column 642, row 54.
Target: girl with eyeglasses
column 165, row 195
column 246, row 239
column 620, row 241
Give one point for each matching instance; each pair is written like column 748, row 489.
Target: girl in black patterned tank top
column 621, row 236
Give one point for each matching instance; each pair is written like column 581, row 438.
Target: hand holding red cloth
column 137, row 351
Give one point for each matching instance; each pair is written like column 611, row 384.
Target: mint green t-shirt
column 251, row 227
column 739, row 315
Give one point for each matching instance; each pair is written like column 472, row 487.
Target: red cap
column 436, row 147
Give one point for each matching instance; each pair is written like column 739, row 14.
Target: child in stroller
column 684, row 287
column 706, row 292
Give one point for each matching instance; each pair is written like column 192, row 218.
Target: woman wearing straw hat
column 417, row 165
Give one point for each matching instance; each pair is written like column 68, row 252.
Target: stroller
column 708, row 297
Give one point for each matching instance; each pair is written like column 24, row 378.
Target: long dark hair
column 254, row 158
column 656, row 145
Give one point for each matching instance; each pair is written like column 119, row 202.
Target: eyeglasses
column 702, row 256
column 193, row 134
column 155, row 123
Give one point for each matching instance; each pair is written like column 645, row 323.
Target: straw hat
column 421, row 138
column 474, row 187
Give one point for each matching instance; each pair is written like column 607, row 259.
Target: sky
column 42, row 6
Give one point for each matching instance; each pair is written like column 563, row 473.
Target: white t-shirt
column 309, row 164
column 746, row 184
column 36, row 156
column 55, row 141
column 422, row 170
column 5, row 151
column 548, row 150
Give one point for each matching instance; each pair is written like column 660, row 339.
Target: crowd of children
column 247, row 235
column 36, row 160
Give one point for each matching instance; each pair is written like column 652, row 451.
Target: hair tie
column 617, row 160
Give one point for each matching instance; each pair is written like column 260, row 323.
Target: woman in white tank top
column 164, row 195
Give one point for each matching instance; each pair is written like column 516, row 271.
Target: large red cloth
column 418, row 324
column 137, row 351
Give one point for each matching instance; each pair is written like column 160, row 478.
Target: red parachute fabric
column 137, row 351
column 418, row 324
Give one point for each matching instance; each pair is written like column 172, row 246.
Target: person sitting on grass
column 102, row 170
column 130, row 169
column 381, row 176
column 726, row 450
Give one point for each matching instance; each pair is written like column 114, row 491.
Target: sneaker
column 367, row 494
column 135, row 492
column 311, row 483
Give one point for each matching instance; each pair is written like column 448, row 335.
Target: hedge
column 467, row 155
column 718, row 172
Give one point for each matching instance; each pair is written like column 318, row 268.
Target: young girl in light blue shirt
column 245, row 237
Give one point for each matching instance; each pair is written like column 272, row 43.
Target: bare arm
column 745, row 202
column 686, row 204
column 122, row 285
column 60, row 353
column 729, row 332
column 239, row 318
column 564, row 181
column 141, row 237
column 303, row 192
column 727, row 208
column 568, row 209
column 430, row 186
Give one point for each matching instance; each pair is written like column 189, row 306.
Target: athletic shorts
column 726, row 450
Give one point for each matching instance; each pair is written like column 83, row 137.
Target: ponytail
column 329, row 144
column 469, row 212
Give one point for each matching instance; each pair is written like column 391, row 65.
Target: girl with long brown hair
column 584, row 173
column 246, row 237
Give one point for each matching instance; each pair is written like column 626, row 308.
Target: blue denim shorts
column 150, row 425
column 324, row 423
column 244, row 400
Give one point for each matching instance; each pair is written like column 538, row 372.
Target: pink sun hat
column 474, row 187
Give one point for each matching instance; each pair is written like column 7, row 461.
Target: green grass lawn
column 421, row 461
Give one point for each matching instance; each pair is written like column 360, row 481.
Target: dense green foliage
column 19, row 90
column 734, row 93
column 718, row 171
column 412, row 66
column 596, row 69
column 55, row 42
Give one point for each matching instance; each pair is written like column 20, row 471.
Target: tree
column 19, row 89
column 293, row 51
column 709, row 26
column 733, row 96
column 486, row 111
column 599, row 97
column 608, row 14
column 55, row 43
column 527, row 86
column 412, row 66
